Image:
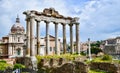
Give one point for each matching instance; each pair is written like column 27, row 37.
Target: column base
column 29, row 62
column 34, row 62
column 27, row 55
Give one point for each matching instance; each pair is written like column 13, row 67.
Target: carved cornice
column 50, row 15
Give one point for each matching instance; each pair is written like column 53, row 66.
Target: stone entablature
column 50, row 15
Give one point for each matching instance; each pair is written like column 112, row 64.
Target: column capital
column 47, row 22
column 55, row 23
column 27, row 19
column 37, row 20
column 77, row 23
column 32, row 15
column 63, row 24
column 71, row 24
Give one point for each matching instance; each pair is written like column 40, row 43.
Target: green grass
column 96, row 71
column 105, row 58
column 66, row 56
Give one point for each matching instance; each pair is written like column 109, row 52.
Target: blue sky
column 99, row 19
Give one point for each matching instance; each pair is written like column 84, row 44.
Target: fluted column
column 64, row 38
column 57, row 50
column 77, row 38
column 28, row 37
column 32, row 37
column 71, row 38
column 47, row 38
column 38, row 37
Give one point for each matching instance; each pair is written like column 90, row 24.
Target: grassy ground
column 66, row 56
column 96, row 71
column 104, row 58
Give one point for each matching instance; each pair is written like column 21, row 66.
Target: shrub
column 18, row 66
column 2, row 61
column 106, row 57
column 4, row 65
column 83, row 53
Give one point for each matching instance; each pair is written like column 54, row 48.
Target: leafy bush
column 107, row 57
column 18, row 66
column 4, row 65
column 83, row 53
column 2, row 61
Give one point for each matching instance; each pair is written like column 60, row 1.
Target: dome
column 17, row 27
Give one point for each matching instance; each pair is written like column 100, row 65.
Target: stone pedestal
column 29, row 62
column 33, row 62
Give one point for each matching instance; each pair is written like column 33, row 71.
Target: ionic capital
column 32, row 15
column 38, row 21
column 27, row 19
column 55, row 23
column 77, row 23
column 63, row 24
column 47, row 22
column 71, row 24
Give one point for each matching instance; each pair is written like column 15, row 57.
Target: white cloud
column 99, row 19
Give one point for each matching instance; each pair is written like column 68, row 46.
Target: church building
column 14, row 44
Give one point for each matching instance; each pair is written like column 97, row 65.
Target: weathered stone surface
column 80, row 67
column 108, row 67
column 60, row 61
column 28, row 62
column 62, row 67
column 66, row 68
column 40, row 64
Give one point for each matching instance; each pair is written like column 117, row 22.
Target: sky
column 99, row 19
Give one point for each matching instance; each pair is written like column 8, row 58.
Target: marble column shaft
column 64, row 38
column 71, row 38
column 89, row 48
column 47, row 38
column 77, row 38
column 57, row 51
column 28, row 37
column 32, row 37
column 38, row 37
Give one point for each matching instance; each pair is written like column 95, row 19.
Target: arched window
column 0, row 50
column 50, row 48
column 18, row 39
column 18, row 51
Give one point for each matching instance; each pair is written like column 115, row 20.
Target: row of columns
column 30, row 37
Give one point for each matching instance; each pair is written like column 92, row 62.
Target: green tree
column 95, row 47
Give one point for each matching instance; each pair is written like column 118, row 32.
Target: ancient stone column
column 38, row 37
column 57, row 50
column 71, row 38
column 77, row 38
column 89, row 48
column 64, row 38
column 28, row 37
column 32, row 49
column 47, row 38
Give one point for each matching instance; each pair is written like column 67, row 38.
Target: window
column 14, row 38
column 0, row 50
column 18, row 39
column 18, row 51
column 50, row 48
